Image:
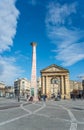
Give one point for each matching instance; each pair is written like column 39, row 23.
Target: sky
column 57, row 26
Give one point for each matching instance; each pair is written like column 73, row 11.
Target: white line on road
column 17, row 118
column 21, row 106
column 73, row 126
column 52, row 118
column 42, row 115
column 44, row 105
column 73, row 119
column 14, row 119
column 80, row 122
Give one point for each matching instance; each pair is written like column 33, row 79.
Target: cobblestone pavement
column 50, row 115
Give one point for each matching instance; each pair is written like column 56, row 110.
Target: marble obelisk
column 33, row 73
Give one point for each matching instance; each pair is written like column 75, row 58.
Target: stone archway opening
column 55, row 87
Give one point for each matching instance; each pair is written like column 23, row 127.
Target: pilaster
column 67, row 87
column 62, row 86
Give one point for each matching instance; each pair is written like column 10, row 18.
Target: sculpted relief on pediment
column 52, row 69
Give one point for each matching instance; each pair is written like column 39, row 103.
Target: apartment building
column 21, row 87
column 2, row 89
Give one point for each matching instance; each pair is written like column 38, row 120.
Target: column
column 33, row 73
column 47, row 85
column 62, row 87
column 43, row 85
column 67, row 87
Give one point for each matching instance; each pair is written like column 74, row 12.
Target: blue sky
column 56, row 25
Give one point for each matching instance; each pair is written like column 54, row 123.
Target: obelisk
column 33, row 73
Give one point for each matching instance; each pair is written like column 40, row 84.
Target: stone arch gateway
column 55, row 79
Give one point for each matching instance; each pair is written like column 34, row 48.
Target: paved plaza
column 49, row 115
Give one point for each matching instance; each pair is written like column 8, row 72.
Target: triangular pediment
column 54, row 68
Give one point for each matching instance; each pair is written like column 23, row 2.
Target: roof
column 57, row 68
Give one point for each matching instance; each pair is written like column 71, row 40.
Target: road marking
column 14, row 119
column 17, row 118
column 41, row 115
column 73, row 126
column 80, row 122
column 38, row 104
column 44, row 105
column 73, row 119
column 52, row 118
column 21, row 106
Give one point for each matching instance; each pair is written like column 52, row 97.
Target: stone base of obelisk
column 35, row 99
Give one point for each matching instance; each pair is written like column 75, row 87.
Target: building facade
column 2, row 89
column 9, row 91
column 22, row 87
column 55, row 80
column 75, row 85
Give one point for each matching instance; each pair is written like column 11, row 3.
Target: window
column 54, row 81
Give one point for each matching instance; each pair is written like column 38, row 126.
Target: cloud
column 81, row 76
column 8, row 23
column 71, row 54
column 60, row 30
column 9, row 71
column 58, row 14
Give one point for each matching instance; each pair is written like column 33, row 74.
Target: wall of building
column 22, row 87
column 2, row 89
column 75, row 85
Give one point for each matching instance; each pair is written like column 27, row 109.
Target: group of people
column 77, row 96
column 29, row 98
column 40, row 97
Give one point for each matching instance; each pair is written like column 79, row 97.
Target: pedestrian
column 44, row 97
column 64, row 97
column 27, row 97
column 18, row 98
column 39, row 98
column 31, row 98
